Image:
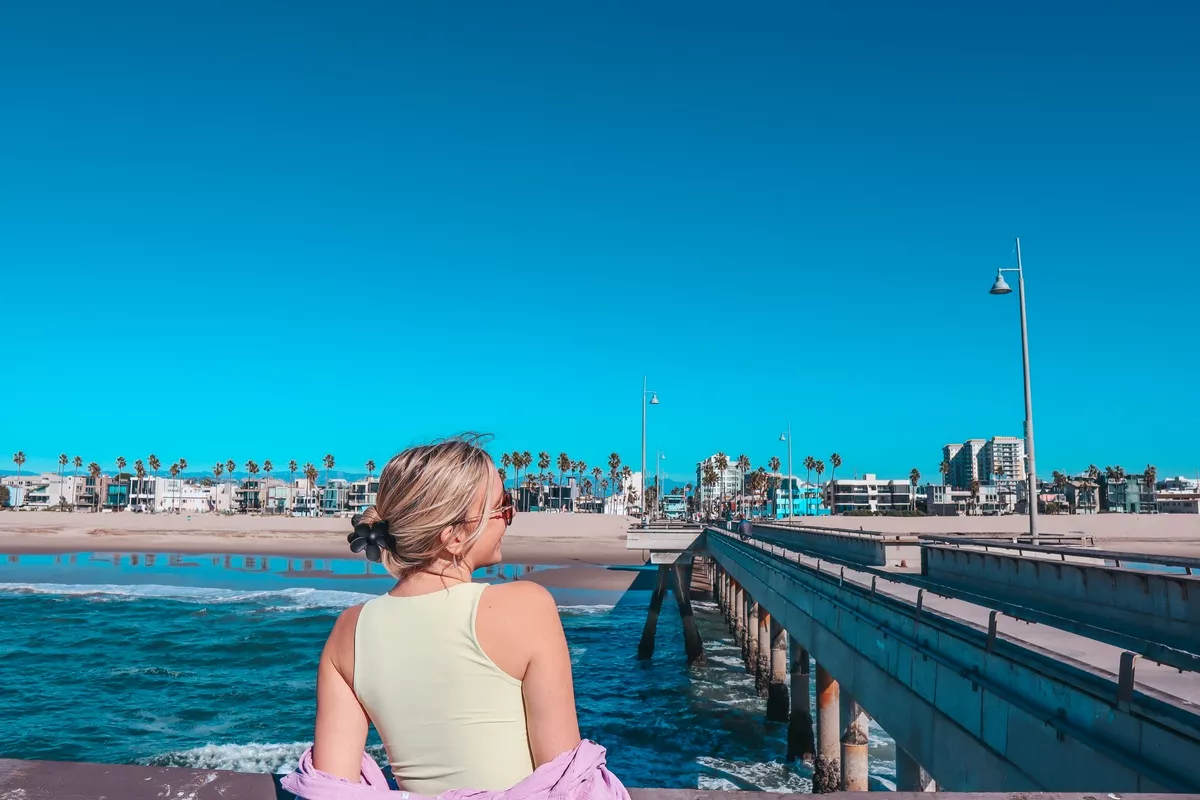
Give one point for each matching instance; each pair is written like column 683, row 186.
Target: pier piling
column 911, row 776
column 854, row 749
column 737, row 610
column 827, row 766
column 800, row 724
column 762, row 659
column 646, row 645
column 777, row 690
column 692, row 642
column 750, row 646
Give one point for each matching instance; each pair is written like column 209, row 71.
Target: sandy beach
column 578, row 540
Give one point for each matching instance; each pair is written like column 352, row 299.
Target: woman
column 468, row 684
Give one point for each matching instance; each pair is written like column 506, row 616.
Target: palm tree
column 810, row 464
column 268, row 468
column 329, row 463
column 94, row 471
column 252, row 469
column 818, row 467
column 62, row 465
column 597, row 476
column 743, row 464
column 370, row 469
column 506, row 462
column 121, row 463
column 174, row 473
column 310, row 472
column 913, row 478
column 974, row 488
column 836, row 461
column 564, row 465
column 19, row 459
column 183, row 465
column 76, row 462
column 721, row 464
column 292, row 472
column 502, row 473
column 944, row 468
column 709, row 477
column 1093, row 472
column 139, row 469
column 580, row 470
column 218, row 469
column 543, row 461
column 1150, row 476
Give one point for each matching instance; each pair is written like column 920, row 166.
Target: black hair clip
column 373, row 538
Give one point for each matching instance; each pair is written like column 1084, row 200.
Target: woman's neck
column 433, row 578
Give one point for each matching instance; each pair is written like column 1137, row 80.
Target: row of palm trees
column 760, row 480
column 598, row 486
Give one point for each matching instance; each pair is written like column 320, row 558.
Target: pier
column 994, row 664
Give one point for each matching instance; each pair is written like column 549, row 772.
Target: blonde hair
column 426, row 489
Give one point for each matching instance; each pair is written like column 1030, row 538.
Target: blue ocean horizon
column 209, row 661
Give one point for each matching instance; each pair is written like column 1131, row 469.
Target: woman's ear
column 452, row 539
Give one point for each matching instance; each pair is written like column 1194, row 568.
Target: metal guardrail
column 1154, row 651
column 1192, row 565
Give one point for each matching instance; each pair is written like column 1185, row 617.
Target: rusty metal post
column 750, row 648
column 777, row 689
column 762, row 659
column 827, row 766
column 854, row 750
column 911, row 776
column 800, row 724
column 646, row 645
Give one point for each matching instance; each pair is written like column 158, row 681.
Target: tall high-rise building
column 996, row 461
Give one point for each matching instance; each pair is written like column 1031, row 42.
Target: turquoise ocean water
column 209, row 661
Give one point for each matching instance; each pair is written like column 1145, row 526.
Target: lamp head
column 653, row 399
column 1000, row 287
column 783, row 437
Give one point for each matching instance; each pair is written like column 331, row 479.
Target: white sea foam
column 254, row 757
column 292, row 599
column 766, row 776
column 584, row 609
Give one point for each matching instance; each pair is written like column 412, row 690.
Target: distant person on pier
column 468, row 684
column 745, row 529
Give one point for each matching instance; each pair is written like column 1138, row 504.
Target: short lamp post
column 1001, row 287
column 652, row 401
column 786, row 436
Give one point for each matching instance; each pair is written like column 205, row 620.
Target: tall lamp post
column 658, row 491
column 786, row 436
column 1000, row 287
column 653, row 401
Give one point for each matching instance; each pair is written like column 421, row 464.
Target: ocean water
column 209, row 662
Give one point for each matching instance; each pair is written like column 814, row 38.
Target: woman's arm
column 341, row 732
column 547, row 688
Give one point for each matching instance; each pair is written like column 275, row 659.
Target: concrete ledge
column 69, row 780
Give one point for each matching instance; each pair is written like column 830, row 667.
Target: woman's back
column 448, row 716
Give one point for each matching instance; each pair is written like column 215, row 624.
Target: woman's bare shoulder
column 527, row 601
column 340, row 645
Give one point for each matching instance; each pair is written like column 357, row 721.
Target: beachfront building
column 727, row 487
column 869, row 493
column 617, row 501
column 44, row 492
column 946, row 501
column 362, row 494
column 334, row 495
column 1128, row 496
column 1178, row 502
column 305, row 501
column 1082, row 495
column 808, row 498
column 249, row 495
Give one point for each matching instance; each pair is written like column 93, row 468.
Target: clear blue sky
column 250, row 230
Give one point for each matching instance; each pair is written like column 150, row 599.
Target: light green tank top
column 448, row 716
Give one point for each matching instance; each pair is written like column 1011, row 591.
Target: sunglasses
column 507, row 511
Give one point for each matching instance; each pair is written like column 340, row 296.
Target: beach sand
column 586, row 542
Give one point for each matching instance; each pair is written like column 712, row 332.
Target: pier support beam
column 777, row 689
column 692, row 642
column 750, row 648
column 737, row 611
column 800, row 724
column 827, row 767
column 854, row 750
column 911, row 776
column 646, row 645
column 762, row 660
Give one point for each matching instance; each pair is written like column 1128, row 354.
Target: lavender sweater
column 578, row 774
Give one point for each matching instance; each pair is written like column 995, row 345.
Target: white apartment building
column 363, row 493
column 868, row 493
column 999, row 461
column 728, row 485
column 946, row 501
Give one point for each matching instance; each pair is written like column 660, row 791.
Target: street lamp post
column 1000, row 287
column 787, row 437
column 658, row 491
column 652, row 401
